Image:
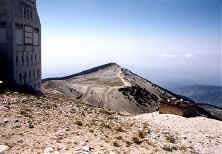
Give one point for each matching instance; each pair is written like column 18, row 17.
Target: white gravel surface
column 201, row 134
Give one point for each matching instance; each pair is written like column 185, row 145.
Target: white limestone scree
column 20, row 43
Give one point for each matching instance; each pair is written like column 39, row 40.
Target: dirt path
column 126, row 84
column 111, row 89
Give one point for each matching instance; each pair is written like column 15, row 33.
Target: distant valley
column 202, row 94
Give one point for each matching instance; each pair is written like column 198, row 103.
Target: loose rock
column 3, row 148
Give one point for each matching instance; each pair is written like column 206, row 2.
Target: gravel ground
column 203, row 135
column 54, row 124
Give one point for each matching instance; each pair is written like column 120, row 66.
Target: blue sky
column 166, row 41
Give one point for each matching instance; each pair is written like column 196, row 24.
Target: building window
column 30, row 75
column 38, row 73
column 28, row 35
column 27, row 60
column 33, row 74
column 25, row 77
column 17, row 60
column 31, row 14
column 27, row 12
column 19, row 35
column 24, row 12
column 23, row 60
column 31, row 59
column 35, row 59
column 20, row 77
column 36, row 37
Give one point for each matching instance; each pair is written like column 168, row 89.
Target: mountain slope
column 111, row 87
column 114, row 88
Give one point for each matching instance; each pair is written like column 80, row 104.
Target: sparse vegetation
column 103, row 111
column 105, row 125
column 128, row 143
column 116, row 144
column 91, row 131
column 79, row 123
column 119, row 129
column 170, row 139
column 26, row 112
column 119, row 138
column 142, row 134
column 182, row 148
column 136, row 140
column 169, row 148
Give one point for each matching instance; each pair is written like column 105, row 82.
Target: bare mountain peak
column 112, row 87
column 112, row 64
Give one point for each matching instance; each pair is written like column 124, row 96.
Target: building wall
column 23, row 43
column 5, row 43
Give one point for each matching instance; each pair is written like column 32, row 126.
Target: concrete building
column 20, row 43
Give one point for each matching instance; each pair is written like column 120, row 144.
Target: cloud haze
column 161, row 40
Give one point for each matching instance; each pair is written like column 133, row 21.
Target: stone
column 48, row 150
column 31, row 125
column 6, row 120
column 3, row 108
column 59, row 133
column 17, row 125
column 3, row 148
column 84, row 150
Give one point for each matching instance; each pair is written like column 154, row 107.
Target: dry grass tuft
column 26, row 112
column 119, row 138
column 116, row 144
column 128, row 143
column 170, row 139
column 79, row 123
column 137, row 140
column 170, row 149
column 119, row 129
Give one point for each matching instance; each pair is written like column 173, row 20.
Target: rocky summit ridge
column 113, row 87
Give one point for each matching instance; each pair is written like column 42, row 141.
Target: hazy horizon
column 168, row 42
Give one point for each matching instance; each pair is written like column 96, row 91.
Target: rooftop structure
column 20, row 43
